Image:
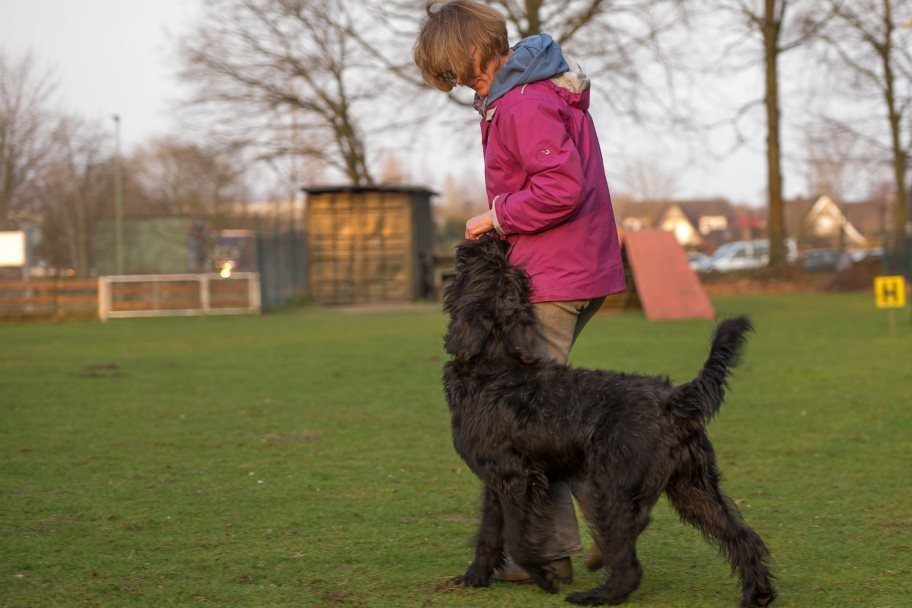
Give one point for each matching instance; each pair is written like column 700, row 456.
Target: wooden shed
column 369, row 244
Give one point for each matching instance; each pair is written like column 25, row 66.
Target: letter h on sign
column 890, row 292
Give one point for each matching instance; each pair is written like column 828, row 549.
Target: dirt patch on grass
column 290, row 438
column 101, row 370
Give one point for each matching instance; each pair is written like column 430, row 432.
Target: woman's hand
column 479, row 225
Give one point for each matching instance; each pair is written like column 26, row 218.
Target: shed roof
column 327, row 189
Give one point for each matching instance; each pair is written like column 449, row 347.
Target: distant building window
column 824, row 226
column 713, row 223
column 634, row 224
column 683, row 233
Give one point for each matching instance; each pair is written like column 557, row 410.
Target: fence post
column 254, row 292
column 204, row 292
column 104, row 298
column 57, row 313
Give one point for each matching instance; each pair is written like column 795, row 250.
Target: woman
column 545, row 181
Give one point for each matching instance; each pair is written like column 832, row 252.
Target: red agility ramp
column 666, row 286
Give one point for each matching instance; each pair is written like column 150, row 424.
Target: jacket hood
column 533, row 59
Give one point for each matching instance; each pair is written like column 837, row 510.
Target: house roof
column 648, row 210
column 869, row 217
column 693, row 209
column 796, row 211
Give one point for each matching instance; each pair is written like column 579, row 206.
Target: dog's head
column 488, row 304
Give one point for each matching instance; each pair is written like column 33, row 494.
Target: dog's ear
column 516, row 315
column 483, row 301
column 466, row 336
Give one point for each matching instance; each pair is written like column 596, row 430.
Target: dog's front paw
column 474, row 577
column 546, row 579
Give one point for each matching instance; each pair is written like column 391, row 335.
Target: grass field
column 303, row 458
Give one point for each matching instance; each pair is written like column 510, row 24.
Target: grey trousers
column 560, row 323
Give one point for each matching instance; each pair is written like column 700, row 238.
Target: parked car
column 740, row 255
column 699, row 262
column 824, row 260
column 865, row 255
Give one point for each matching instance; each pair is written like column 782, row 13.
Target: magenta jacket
column 546, row 182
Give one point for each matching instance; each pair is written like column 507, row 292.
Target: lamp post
column 118, row 202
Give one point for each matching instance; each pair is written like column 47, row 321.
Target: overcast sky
column 108, row 56
column 116, row 57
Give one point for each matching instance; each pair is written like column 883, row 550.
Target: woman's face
column 482, row 76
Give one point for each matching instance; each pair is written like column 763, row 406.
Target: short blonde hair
column 449, row 34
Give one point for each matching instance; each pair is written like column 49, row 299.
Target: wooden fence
column 166, row 295
column 130, row 296
column 49, row 298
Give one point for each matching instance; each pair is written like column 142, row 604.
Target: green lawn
column 303, row 458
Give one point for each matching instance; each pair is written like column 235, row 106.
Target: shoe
column 511, row 572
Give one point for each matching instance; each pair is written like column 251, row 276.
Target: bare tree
column 832, row 159
column 872, row 39
column 286, row 77
column 74, row 190
column 774, row 27
column 184, row 178
column 26, row 123
column 635, row 47
column 650, row 180
column 632, row 46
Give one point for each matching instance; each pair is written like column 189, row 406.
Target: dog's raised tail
column 702, row 397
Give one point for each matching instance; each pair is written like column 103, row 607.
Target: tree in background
column 650, row 180
column 285, row 77
column 872, row 44
column 776, row 27
column 73, row 191
column 178, row 177
column 166, row 177
column 634, row 46
column 26, row 131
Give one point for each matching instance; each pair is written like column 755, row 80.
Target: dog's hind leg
column 489, row 543
column 594, row 561
column 618, row 522
column 694, row 492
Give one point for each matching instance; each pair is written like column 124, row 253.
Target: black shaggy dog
column 521, row 423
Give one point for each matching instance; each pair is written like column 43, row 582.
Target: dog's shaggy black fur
column 521, row 423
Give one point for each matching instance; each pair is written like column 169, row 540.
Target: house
column 697, row 224
column 704, row 224
column 636, row 216
column 823, row 222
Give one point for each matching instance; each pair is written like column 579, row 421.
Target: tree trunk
column 533, row 7
column 901, row 215
column 776, row 220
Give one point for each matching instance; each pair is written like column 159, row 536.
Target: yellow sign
column 890, row 291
